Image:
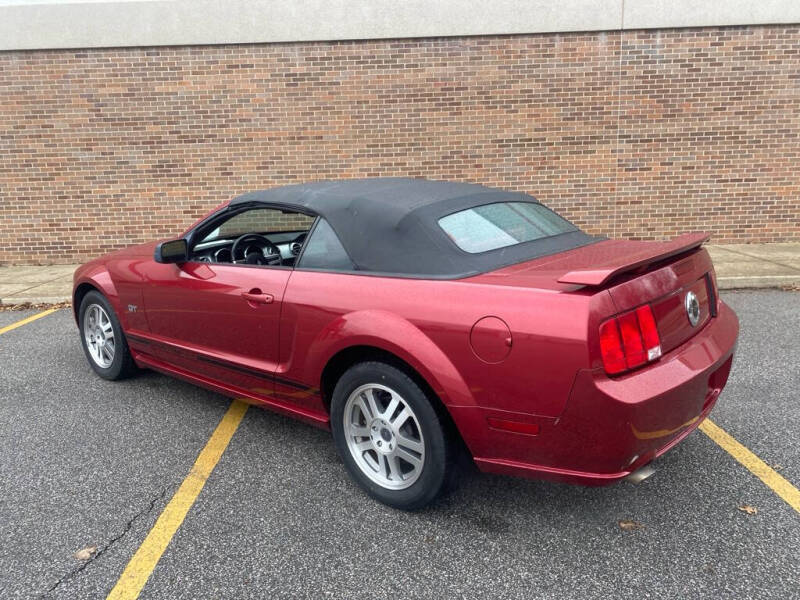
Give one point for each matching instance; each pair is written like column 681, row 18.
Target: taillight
column 611, row 347
column 629, row 340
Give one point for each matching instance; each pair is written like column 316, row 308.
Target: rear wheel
column 390, row 436
column 102, row 338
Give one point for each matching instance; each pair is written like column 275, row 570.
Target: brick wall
column 639, row 134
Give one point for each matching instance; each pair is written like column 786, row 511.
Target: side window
column 260, row 220
column 254, row 236
column 325, row 251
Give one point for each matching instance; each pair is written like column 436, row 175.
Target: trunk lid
column 666, row 289
column 633, row 273
column 605, row 262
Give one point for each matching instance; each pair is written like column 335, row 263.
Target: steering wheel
column 255, row 250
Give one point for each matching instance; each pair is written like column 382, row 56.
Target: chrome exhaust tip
column 640, row 474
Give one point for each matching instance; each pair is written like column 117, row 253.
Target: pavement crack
column 128, row 526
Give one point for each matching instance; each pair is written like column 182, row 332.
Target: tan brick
column 642, row 134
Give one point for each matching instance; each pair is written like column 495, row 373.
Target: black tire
column 122, row 364
column 438, row 463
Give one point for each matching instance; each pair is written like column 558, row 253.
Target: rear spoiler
column 642, row 253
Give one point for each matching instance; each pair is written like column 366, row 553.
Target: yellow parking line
column 44, row 313
column 140, row 567
column 752, row 463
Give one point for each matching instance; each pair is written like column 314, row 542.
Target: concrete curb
column 745, row 282
column 724, row 283
column 34, row 300
column 738, row 267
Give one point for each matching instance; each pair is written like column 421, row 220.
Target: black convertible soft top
column 390, row 225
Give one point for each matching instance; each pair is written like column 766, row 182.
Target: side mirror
column 173, row 251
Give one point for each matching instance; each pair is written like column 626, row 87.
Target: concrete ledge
column 724, row 283
column 738, row 266
column 44, row 24
column 36, row 284
column 745, row 282
column 35, row 300
column 753, row 266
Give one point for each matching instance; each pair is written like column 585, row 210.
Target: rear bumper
column 612, row 426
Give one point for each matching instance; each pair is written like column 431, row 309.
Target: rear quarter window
column 325, row 251
column 502, row 224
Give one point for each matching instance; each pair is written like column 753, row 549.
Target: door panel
column 219, row 320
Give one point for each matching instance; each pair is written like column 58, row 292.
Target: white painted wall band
column 43, row 24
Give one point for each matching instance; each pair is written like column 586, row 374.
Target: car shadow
column 487, row 502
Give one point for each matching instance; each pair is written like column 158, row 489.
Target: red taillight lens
column 632, row 340
column 629, row 340
column 611, row 347
column 647, row 324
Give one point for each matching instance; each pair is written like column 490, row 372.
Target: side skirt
column 316, row 419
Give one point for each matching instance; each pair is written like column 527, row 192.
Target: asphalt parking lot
column 91, row 463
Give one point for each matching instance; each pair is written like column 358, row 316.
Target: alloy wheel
column 384, row 436
column 99, row 335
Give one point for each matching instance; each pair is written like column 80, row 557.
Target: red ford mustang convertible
column 417, row 319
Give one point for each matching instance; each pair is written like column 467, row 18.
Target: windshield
column 502, row 224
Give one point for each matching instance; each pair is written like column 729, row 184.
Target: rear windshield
column 502, row 224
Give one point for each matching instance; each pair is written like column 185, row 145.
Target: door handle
column 255, row 296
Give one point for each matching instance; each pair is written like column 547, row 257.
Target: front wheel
column 102, row 338
column 389, row 435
